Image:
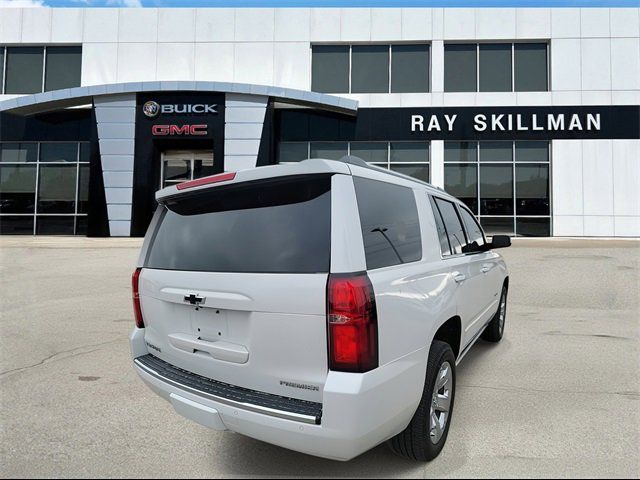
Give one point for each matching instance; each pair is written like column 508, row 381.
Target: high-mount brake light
column 352, row 323
column 222, row 177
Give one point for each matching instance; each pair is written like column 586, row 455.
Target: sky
column 320, row 3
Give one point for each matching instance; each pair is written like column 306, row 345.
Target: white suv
column 320, row 306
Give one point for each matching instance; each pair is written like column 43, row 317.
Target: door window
column 475, row 237
column 453, row 225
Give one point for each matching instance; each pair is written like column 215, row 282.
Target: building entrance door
column 182, row 165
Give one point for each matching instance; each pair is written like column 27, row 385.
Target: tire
column 416, row 442
column 495, row 329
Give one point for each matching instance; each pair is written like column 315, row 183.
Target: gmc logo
column 170, row 130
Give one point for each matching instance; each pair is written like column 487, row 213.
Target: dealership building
column 530, row 116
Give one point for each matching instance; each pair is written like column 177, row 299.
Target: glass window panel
column 17, row 188
column 328, row 150
column 496, row 190
column 389, row 222
column 372, row 152
column 533, row 227
column 532, row 151
column 495, row 67
column 460, row 151
column 16, row 225
column 46, row 225
column 63, row 68
column 83, row 189
column 223, row 229
column 421, row 172
column 24, row 70
column 497, row 225
column 475, row 237
column 455, row 232
column 1, row 68
column 445, row 248
column 57, row 189
column 85, row 152
column 18, row 152
column 177, row 167
column 330, row 68
column 203, row 164
column 532, row 189
column 292, row 151
column 461, row 181
column 409, row 68
column 59, row 152
column 370, row 69
column 460, row 68
column 496, row 151
column 405, row 152
column 530, row 67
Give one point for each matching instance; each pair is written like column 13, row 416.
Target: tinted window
column 276, row 226
column 24, row 70
column 63, row 68
column 1, row 68
column 57, row 189
column 460, row 68
column 292, row 151
column 389, row 221
column 496, row 190
column 496, row 151
column 18, row 152
column 495, row 67
column 328, row 150
column 419, row 172
column 58, row 152
column 370, row 69
column 445, row 249
column 532, row 189
column 460, row 151
column 532, row 151
column 402, row 152
column 530, row 67
column 372, row 152
column 455, row 232
column 17, row 187
column 330, row 68
column 475, row 237
column 409, row 68
column 461, row 181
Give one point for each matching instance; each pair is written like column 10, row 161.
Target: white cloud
column 22, row 3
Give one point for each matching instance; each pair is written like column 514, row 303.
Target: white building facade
column 531, row 116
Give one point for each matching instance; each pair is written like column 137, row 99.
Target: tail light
column 137, row 311
column 352, row 323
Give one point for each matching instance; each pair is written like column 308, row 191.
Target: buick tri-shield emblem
column 151, row 109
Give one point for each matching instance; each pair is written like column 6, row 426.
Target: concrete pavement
column 560, row 396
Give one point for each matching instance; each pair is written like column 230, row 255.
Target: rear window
column 270, row 226
column 389, row 221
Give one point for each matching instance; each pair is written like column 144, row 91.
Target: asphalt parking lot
column 560, row 396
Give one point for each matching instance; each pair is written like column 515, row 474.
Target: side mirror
column 500, row 241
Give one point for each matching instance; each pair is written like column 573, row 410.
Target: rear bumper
column 359, row 411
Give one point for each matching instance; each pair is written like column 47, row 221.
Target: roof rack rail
column 353, row 160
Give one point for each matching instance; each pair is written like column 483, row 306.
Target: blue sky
column 324, row 3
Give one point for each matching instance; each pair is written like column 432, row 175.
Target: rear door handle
column 459, row 277
column 485, row 268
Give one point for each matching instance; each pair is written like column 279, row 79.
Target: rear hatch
column 233, row 283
